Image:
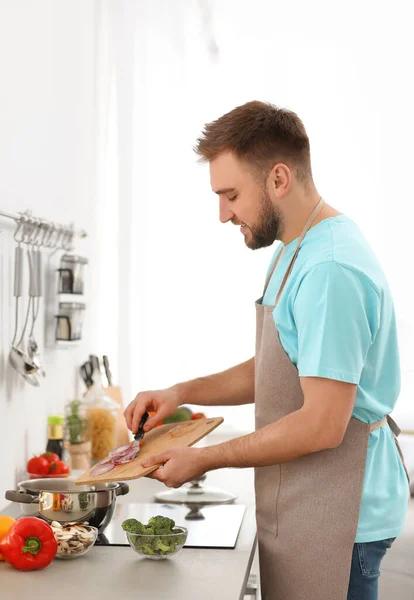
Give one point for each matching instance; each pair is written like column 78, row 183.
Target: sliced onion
column 101, row 469
column 121, row 450
column 120, row 456
column 104, row 461
column 117, row 460
column 123, row 461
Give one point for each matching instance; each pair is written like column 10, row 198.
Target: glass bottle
column 55, row 435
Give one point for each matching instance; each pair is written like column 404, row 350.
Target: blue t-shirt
column 336, row 320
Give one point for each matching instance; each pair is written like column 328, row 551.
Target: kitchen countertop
column 194, row 574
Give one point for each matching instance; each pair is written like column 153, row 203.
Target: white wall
column 187, row 283
column 47, row 159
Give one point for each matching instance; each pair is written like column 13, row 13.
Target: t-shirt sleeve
column 337, row 315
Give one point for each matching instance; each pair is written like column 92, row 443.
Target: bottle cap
column 55, row 420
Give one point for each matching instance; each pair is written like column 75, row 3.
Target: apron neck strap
column 305, row 230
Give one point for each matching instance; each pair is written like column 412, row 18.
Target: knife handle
column 107, row 369
column 140, row 432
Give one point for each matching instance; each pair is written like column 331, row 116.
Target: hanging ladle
column 32, row 378
column 35, row 266
column 18, row 358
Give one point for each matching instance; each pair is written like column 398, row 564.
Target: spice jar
column 70, row 321
column 72, row 274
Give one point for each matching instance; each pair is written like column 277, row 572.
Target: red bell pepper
column 30, row 544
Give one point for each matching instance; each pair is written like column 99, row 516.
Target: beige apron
column 307, row 510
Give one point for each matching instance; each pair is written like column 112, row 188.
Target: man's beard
column 270, row 224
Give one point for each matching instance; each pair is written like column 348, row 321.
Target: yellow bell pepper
column 6, row 523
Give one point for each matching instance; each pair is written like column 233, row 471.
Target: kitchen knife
column 140, row 433
column 94, row 360
column 89, row 369
column 96, row 364
column 107, row 369
column 86, row 374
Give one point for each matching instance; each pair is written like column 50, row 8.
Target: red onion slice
column 101, row 469
column 121, row 450
column 104, row 461
column 126, row 457
column 123, row 461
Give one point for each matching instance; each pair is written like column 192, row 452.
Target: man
column 331, row 489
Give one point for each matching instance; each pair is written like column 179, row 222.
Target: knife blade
column 99, row 369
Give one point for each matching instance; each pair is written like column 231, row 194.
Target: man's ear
column 280, row 180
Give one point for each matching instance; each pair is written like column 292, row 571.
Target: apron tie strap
column 393, row 426
column 377, row 425
column 396, row 432
column 387, row 419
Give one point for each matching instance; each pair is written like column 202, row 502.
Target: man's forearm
column 232, row 387
column 295, row 435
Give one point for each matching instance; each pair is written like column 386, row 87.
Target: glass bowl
column 158, row 547
column 76, row 551
column 48, row 476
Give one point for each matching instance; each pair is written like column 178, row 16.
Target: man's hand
column 162, row 402
column 179, row 465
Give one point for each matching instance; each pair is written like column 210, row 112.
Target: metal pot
column 63, row 501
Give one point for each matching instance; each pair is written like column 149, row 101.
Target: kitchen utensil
column 140, row 433
column 157, row 440
column 107, row 370
column 195, row 493
column 137, row 541
column 94, row 360
column 63, row 501
column 72, row 274
column 98, row 370
column 33, row 378
column 36, row 269
column 86, row 372
column 89, row 368
column 18, row 358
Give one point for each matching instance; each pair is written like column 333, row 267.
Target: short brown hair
column 261, row 134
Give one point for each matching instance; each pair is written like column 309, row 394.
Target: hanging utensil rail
column 53, row 231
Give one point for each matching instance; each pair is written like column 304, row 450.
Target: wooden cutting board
column 158, row 440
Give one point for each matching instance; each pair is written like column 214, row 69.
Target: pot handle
column 21, row 497
column 122, row 489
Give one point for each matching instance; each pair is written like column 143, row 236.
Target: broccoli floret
column 159, row 522
column 163, row 531
column 178, row 539
column 161, row 547
column 145, row 548
column 133, row 526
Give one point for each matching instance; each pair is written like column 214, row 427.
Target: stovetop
column 210, row 527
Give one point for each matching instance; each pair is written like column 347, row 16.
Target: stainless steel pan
column 63, row 501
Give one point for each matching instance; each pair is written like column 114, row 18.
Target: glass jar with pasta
column 102, row 413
